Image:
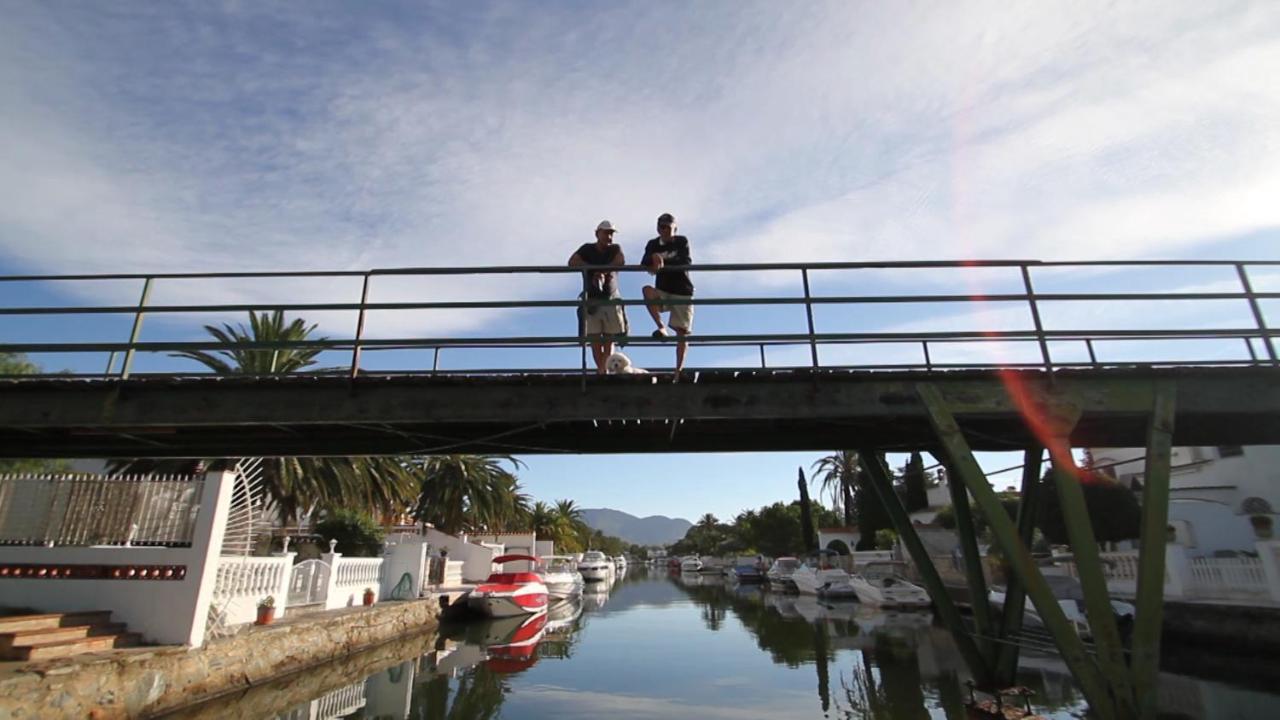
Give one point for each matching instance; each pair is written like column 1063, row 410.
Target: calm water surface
column 655, row 646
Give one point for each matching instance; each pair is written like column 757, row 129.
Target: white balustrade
column 1226, row 578
column 251, row 577
column 363, row 572
column 339, row 703
column 88, row 510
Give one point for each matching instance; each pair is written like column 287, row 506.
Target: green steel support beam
column 960, row 457
column 977, row 582
column 947, row 611
column 1097, row 599
column 1151, row 559
column 1015, row 596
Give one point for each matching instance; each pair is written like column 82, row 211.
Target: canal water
column 653, row 645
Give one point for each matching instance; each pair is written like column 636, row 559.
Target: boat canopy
column 503, row 559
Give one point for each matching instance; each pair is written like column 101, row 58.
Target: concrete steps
column 55, row 635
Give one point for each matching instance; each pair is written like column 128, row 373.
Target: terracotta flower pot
column 266, row 615
column 368, row 597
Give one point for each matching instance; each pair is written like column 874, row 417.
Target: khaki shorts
column 681, row 315
column 605, row 320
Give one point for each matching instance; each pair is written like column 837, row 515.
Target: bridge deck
column 720, row 411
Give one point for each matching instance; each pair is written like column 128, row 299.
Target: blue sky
column 281, row 136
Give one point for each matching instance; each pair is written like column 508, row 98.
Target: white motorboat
column 595, row 566
column 508, row 594
column 561, row 576
column 824, row 581
column 620, row 562
column 780, row 573
column 712, row 566
column 1070, row 598
column 881, row 584
column 691, row 564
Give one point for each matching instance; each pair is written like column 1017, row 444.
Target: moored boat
column 779, row 574
column 691, row 564
column 561, row 576
column 595, row 566
column 821, row 579
column 509, row 594
column 880, row 584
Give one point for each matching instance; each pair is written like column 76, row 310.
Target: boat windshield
column 559, row 565
column 593, row 556
column 787, row 564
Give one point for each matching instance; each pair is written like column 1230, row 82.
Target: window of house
column 1226, row 451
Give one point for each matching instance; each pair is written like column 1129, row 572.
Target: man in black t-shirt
column 602, row 318
column 674, row 291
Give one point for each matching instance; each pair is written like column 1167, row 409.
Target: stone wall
column 147, row 681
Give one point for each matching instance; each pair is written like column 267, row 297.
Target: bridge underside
column 524, row 414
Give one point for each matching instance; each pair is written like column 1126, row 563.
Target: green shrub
column 356, row 532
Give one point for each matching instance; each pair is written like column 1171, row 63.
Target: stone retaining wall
column 149, row 681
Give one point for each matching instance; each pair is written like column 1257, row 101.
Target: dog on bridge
column 620, row 364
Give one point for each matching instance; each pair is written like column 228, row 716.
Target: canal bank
column 143, row 682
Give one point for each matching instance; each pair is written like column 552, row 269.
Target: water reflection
column 658, row 646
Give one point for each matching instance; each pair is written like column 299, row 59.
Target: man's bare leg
column 597, row 352
column 680, row 347
column 652, row 306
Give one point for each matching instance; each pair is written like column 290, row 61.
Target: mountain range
column 652, row 530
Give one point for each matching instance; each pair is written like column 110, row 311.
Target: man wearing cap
column 662, row 253
column 601, row 319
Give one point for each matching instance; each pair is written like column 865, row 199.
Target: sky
column 154, row 137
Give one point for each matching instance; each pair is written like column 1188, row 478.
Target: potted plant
column 1261, row 526
column 368, row 596
column 266, row 610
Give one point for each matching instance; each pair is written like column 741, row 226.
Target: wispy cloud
column 255, row 135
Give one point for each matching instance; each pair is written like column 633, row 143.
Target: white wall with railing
column 143, row 548
column 349, row 578
column 1241, row 578
column 244, row 582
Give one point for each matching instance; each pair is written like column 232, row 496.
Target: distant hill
column 652, row 530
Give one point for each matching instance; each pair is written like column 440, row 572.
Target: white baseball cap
column 606, row 225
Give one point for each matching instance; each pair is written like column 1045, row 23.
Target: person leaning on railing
column 669, row 250
column 602, row 321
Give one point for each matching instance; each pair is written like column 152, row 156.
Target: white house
column 1220, row 498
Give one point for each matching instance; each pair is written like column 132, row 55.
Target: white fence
column 88, row 510
column 350, row 578
column 1204, row 578
column 1228, row 578
column 243, row 582
column 68, row 548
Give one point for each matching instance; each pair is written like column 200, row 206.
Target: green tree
column 357, row 533
column 838, row 472
column 808, row 536
column 470, row 492
column 1114, row 511
column 18, row 364
column 916, row 496
column 379, row 485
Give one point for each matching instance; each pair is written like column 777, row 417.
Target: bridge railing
column 1150, row 317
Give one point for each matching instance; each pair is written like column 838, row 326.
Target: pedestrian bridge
column 784, row 357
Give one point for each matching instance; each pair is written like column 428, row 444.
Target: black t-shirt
column 674, row 253
column 603, row 285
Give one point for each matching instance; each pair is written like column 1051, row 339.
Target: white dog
column 619, row 364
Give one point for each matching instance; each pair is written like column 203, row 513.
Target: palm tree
column 266, row 327
column 544, row 521
column 469, row 492
column 708, row 521
column 838, row 473
column 379, row 485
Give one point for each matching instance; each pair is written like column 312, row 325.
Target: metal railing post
column 1257, row 313
column 137, row 329
column 355, row 349
column 1035, row 317
column 763, row 363
column 808, row 311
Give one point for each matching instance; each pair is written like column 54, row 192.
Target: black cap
column 666, row 219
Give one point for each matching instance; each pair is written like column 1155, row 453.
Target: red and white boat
column 510, row 594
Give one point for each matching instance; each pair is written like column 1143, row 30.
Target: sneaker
column 660, row 332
